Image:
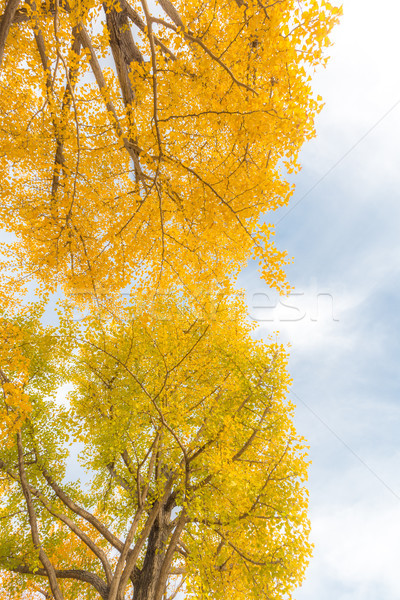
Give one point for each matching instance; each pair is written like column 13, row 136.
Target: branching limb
column 269, row 476
column 125, row 552
column 191, row 38
column 251, row 438
column 138, row 21
column 78, row 510
column 178, row 587
column 154, row 67
column 214, row 191
column 165, row 568
column 49, row 570
column 130, row 146
column 171, row 11
column 123, row 48
column 68, row 97
column 119, row 479
column 76, row 574
column 77, row 531
column 5, row 24
column 135, row 553
column 63, row 518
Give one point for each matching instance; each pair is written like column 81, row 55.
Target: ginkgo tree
column 196, row 475
column 143, row 141
column 141, row 145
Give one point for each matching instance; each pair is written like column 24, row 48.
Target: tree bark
column 76, row 574
column 5, row 24
column 146, row 584
column 123, row 48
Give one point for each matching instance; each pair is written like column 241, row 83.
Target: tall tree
column 196, row 475
column 141, row 145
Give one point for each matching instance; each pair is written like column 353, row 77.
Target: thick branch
column 78, row 510
column 5, row 24
column 119, row 569
column 165, row 569
column 123, row 48
column 59, row 155
column 77, row 574
column 171, row 11
column 135, row 553
column 48, row 567
column 78, row 532
column 130, row 146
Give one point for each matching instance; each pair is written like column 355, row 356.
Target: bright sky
column 343, row 325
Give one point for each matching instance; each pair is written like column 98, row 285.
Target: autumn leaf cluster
column 159, row 168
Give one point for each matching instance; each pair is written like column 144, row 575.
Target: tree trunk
column 147, row 581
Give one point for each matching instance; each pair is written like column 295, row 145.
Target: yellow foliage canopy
column 197, row 472
column 145, row 142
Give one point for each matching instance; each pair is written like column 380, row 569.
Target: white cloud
column 358, row 546
column 311, row 318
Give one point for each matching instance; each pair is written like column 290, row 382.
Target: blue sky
column 344, row 322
